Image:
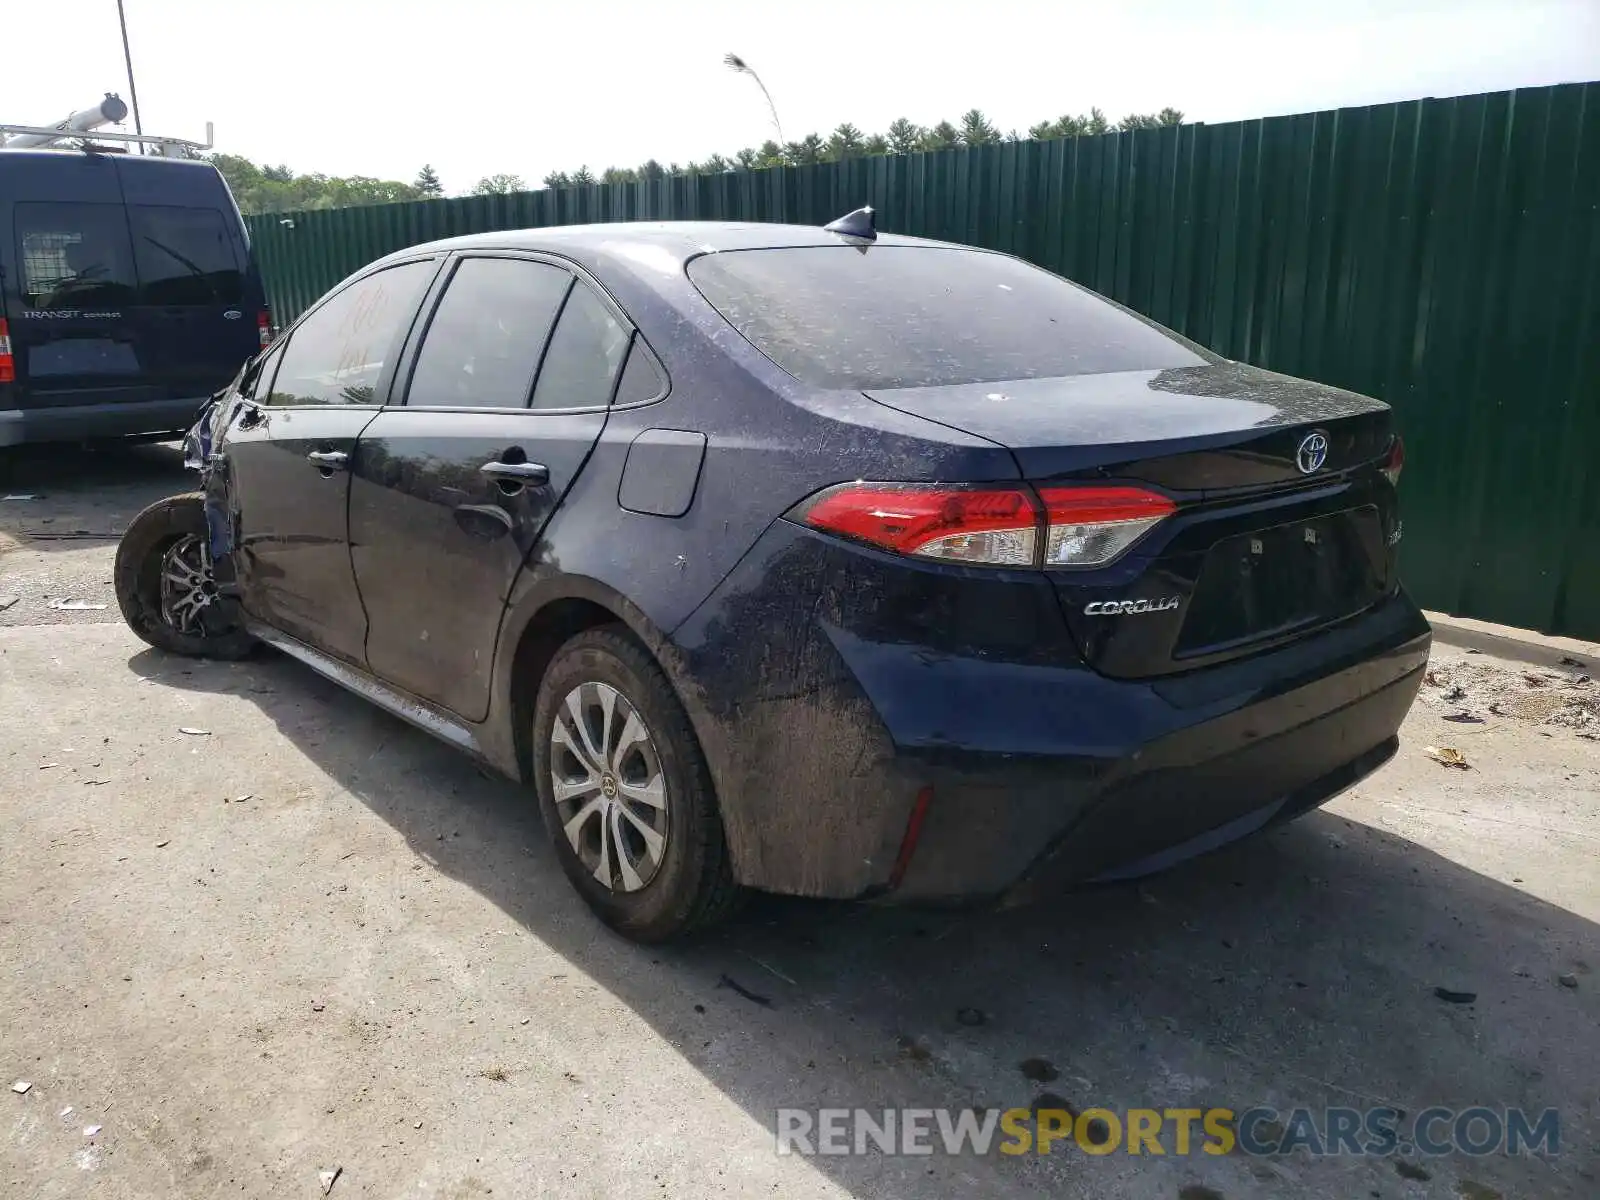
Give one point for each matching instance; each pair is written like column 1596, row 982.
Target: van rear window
column 75, row 256
column 184, row 256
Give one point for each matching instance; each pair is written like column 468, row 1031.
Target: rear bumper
column 69, row 423
column 1040, row 772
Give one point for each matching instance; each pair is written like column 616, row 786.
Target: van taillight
column 264, row 327
column 8, row 365
column 992, row 526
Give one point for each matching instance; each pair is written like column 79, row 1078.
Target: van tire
column 171, row 527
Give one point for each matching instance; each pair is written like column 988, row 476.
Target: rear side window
column 484, row 341
column 74, row 256
column 923, row 316
column 337, row 354
column 641, row 377
column 581, row 364
column 184, row 256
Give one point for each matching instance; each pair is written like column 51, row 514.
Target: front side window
column 585, row 352
column 484, row 341
column 74, row 256
column 337, row 354
column 257, row 378
column 184, row 256
column 924, row 316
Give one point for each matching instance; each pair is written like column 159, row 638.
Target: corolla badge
column 1111, row 608
column 1313, row 452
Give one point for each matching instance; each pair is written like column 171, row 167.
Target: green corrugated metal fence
column 1443, row 255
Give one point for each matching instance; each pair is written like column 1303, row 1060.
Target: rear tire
column 625, row 791
column 164, row 585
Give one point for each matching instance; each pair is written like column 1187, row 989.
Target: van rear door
column 73, row 333
column 199, row 297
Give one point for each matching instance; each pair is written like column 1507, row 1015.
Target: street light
column 738, row 64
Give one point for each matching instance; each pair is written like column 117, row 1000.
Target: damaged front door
column 288, row 458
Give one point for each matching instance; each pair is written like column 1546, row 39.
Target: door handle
column 532, row 474
column 330, row 460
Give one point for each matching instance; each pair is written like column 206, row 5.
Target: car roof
column 617, row 243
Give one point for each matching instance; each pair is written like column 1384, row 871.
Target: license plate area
column 1272, row 581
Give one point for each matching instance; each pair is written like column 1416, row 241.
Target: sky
column 477, row 87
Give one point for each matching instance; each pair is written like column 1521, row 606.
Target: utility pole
column 127, row 57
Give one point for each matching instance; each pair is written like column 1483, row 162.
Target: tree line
column 267, row 189
column 847, row 141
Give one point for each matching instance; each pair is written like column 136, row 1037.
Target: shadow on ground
column 1295, row 969
column 84, row 493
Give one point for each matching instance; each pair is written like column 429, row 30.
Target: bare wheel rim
column 610, row 796
column 188, row 587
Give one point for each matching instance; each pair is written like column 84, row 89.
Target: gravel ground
column 310, row 937
column 56, row 545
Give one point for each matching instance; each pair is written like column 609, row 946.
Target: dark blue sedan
column 809, row 560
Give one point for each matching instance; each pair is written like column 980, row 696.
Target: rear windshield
column 923, row 316
column 77, row 256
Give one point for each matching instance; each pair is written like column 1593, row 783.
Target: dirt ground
column 303, row 936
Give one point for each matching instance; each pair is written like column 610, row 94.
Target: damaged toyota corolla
column 809, row 560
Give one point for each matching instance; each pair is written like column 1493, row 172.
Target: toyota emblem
column 1313, row 452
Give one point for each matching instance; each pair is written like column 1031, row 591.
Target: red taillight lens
column 995, row 526
column 264, row 328
column 1002, row 527
column 8, row 365
column 1090, row 526
column 1395, row 463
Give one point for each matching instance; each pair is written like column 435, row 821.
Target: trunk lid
column 1261, row 549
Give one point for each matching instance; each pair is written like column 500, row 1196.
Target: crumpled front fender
column 200, row 454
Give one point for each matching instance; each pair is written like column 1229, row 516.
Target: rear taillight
column 264, row 328
column 8, row 364
column 1090, row 526
column 990, row 526
column 976, row 525
column 1396, row 461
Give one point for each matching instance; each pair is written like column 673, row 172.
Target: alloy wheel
column 187, row 586
column 609, row 792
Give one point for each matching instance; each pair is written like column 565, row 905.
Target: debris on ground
column 7, row 601
column 495, row 1075
column 163, row 843
column 326, row 1178
column 732, row 984
column 768, row 967
column 1039, row 1070
column 1447, row 756
column 317, row 1006
column 23, row 496
column 1456, row 693
column 971, row 1017
column 193, row 732
column 21, row 1086
column 75, row 606
column 1465, row 718
column 90, row 1130
column 1569, row 661
column 1553, row 698
column 1450, row 997
column 1569, row 980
